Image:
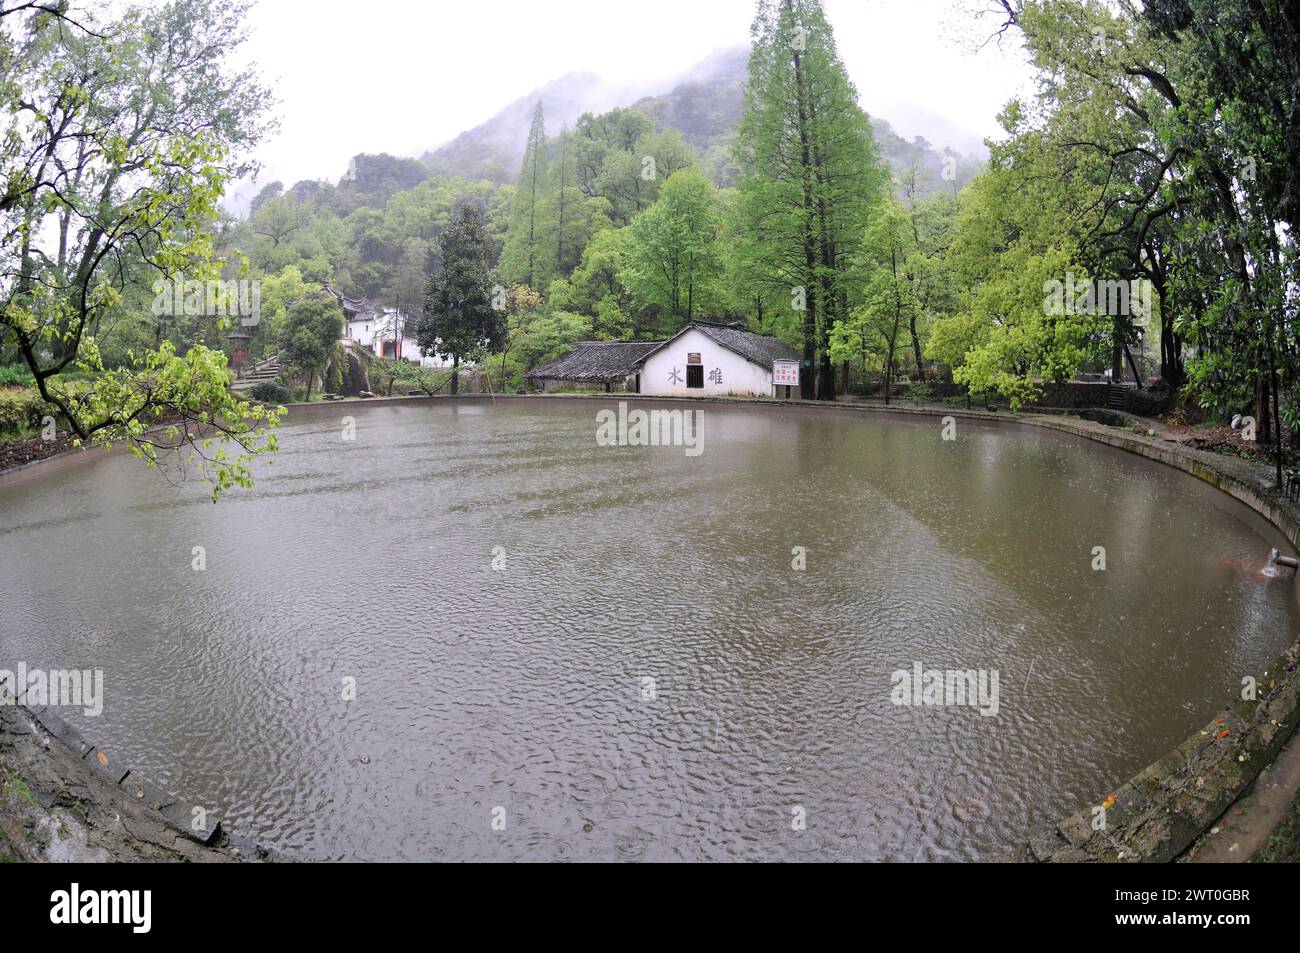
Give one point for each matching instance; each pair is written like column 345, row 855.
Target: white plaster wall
column 739, row 376
column 371, row 332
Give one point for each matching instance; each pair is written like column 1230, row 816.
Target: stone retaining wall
column 118, row 813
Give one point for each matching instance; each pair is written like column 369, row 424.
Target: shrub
column 21, row 410
column 269, row 392
column 15, row 375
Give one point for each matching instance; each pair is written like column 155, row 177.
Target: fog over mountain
column 703, row 104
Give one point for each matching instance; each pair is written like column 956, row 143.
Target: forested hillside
column 558, row 188
column 704, row 105
column 1135, row 217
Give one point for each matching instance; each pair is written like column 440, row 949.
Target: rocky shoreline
column 64, row 800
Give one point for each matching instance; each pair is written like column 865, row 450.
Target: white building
column 706, row 359
column 703, row 359
column 384, row 331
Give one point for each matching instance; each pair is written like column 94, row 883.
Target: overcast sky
column 403, row 76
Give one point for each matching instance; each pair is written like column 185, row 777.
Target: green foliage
column 459, row 321
column 269, row 392
column 809, row 175
column 406, row 377
column 119, row 134
column 309, row 335
column 15, row 375
column 279, row 293
column 670, row 258
column 1155, row 148
column 1005, row 337
column 21, row 410
column 621, row 160
column 596, row 278
column 189, row 398
column 527, row 257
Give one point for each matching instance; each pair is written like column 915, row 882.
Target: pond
column 567, row 650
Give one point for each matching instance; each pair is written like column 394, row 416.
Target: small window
column 695, row 375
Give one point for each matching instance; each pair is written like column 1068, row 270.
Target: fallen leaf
column 103, row 759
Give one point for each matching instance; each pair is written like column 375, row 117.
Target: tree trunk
column 1277, row 420
column 916, row 348
column 1116, row 353
column 807, row 383
column 1262, row 416
column 1133, row 366
column 826, row 379
column 455, row 375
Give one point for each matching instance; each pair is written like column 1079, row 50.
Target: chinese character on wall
column 715, row 375
column 675, row 376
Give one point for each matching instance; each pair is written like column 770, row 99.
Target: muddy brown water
column 648, row 677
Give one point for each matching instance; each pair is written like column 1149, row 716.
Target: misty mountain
column 494, row 149
column 704, row 105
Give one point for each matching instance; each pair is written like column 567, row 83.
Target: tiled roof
column 761, row 349
column 358, row 306
column 596, row 361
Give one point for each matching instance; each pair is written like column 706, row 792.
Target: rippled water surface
column 526, row 689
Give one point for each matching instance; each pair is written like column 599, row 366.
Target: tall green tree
column 671, row 256
column 1167, row 135
column 118, row 131
column 620, row 160
column 526, row 259
column 569, row 209
column 309, row 335
column 809, row 173
column 459, row 321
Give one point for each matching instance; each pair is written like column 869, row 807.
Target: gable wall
column 739, row 376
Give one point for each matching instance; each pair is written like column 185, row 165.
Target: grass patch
column 1283, row 846
column 15, row 786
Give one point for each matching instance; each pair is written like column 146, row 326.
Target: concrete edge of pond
column 67, row 800
column 1152, row 817
column 1160, row 812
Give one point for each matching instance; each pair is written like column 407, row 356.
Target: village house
column 387, row 332
column 704, row 359
column 612, row 365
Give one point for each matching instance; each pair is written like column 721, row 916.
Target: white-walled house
column 706, row 359
column 390, row 333
column 383, row 331
column 703, row 359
